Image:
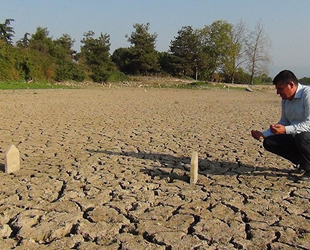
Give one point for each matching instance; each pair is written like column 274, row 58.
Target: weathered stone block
column 194, row 168
column 12, row 159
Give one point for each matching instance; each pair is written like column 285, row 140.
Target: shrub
column 117, row 76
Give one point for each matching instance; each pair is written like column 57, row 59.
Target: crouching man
column 290, row 137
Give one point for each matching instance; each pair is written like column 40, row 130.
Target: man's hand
column 257, row 135
column 277, row 129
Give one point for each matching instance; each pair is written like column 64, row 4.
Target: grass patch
column 202, row 85
column 35, row 85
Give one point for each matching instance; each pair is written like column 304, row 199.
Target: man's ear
column 291, row 84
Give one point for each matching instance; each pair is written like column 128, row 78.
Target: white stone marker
column 12, row 159
column 194, row 168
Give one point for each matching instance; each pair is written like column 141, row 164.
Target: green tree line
column 217, row 52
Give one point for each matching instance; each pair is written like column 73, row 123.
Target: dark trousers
column 293, row 148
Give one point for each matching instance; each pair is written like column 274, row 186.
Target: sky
column 286, row 22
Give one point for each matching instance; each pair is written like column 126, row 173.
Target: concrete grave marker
column 12, row 159
column 194, row 168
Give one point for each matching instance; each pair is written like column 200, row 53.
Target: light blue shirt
column 295, row 113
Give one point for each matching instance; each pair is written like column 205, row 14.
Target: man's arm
column 303, row 126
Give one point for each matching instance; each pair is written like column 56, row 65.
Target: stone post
column 194, row 168
column 12, row 159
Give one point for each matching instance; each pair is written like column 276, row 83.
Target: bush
column 8, row 61
column 117, row 76
column 69, row 71
column 305, row 80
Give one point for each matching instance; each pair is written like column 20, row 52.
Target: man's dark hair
column 284, row 77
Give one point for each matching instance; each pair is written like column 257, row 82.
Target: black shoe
column 305, row 165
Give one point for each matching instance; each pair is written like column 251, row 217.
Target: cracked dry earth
column 109, row 169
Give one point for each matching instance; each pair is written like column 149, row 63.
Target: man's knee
column 277, row 143
column 268, row 144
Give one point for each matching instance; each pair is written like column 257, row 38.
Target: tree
column 122, row 59
column 257, row 48
column 167, row 63
column 144, row 57
column 236, row 53
column 63, row 56
column 95, row 55
column 216, row 41
column 187, row 51
column 41, row 41
column 62, row 48
column 23, row 42
column 6, row 31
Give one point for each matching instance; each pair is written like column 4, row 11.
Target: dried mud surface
column 109, row 169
